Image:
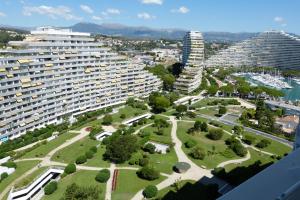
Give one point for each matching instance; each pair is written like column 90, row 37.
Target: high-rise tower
column 192, row 59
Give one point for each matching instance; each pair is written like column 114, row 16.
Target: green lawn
column 275, row 147
column 187, row 190
column 165, row 138
column 255, row 156
column 82, row 178
column 128, row 184
column 22, row 167
column 207, row 144
column 28, row 179
column 44, row 149
column 129, row 112
column 212, row 111
column 71, row 152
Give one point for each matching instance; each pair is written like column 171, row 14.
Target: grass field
column 255, row 156
column 70, row 153
column 205, row 143
column 129, row 113
column 82, row 178
column 165, row 138
column 44, row 149
column 213, row 111
column 128, row 184
column 22, row 167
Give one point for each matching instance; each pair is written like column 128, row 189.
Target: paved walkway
column 236, row 161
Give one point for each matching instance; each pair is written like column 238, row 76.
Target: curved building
column 271, row 48
column 57, row 72
column 192, row 59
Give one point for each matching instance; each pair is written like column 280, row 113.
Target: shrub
column 50, row 188
column 150, row 191
column 3, row 176
column 248, row 139
column 215, row 134
column 122, row 116
column 94, row 149
column 204, row 127
column 263, row 143
column 10, row 164
column 70, row 168
column 190, row 143
column 149, row 148
column 103, row 176
column 89, row 154
column 107, row 119
column 222, row 110
column 143, row 162
column 81, row 159
column 198, row 153
column 191, row 114
column 148, row 173
column 239, row 149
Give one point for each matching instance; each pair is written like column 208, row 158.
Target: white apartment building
column 54, row 72
column 270, row 48
column 192, row 59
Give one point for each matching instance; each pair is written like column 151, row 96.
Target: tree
column 243, row 90
column 168, row 82
column 197, row 125
column 198, row 153
column 263, row 143
column 81, row 159
column 103, row 176
column 89, row 154
column 238, row 130
column 120, row 148
column 150, row 191
column 70, row 168
column 215, row 134
column 76, row 192
column 190, row 143
column 149, row 148
column 176, row 69
column 107, row 119
column 148, row 173
column 3, row 176
column 161, row 103
column 204, row 127
column 143, row 162
column 212, row 90
column 222, row 110
column 249, row 139
column 50, row 188
column 181, row 109
column 161, row 123
column 227, row 90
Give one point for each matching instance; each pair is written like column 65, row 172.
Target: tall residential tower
column 192, row 59
column 57, row 72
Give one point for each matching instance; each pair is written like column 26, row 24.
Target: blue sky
column 203, row 15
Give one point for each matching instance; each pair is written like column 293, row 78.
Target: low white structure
column 159, row 147
column 35, row 188
column 103, row 135
column 6, row 170
column 4, row 160
column 129, row 122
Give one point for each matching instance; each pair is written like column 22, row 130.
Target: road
column 257, row 132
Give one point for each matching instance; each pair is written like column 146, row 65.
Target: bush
column 263, row 143
column 198, row 153
column 150, row 191
column 122, row 116
column 103, row 176
column 215, row 134
column 222, row 110
column 204, row 127
column 143, row 162
column 94, row 149
column 70, row 168
column 50, row 188
column 81, row 159
column 235, row 145
column 89, row 154
column 248, row 139
column 149, row 148
column 148, row 173
column 191, row 114
column 3, row 176
column 107, row 120
column 190, row 143
column 10, row 164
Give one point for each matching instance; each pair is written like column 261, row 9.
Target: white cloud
column 2, row 14
column 182, row 10
column 145, row 15
column 97, row 18
column 281, row 21
column 113, row 11
column 53, row 12
column 86, row 9
column 158, row 2
column 278, row 19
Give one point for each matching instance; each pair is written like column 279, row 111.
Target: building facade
column 192, row 59
column 57, row 72
column 271, row 49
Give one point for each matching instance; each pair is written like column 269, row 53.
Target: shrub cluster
column 150, row 191
column 50, row 188
column 70, row 168
column 103, row 176
column 148, row 173
column 215, row 134
column 236, row 146
column 198, row 153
